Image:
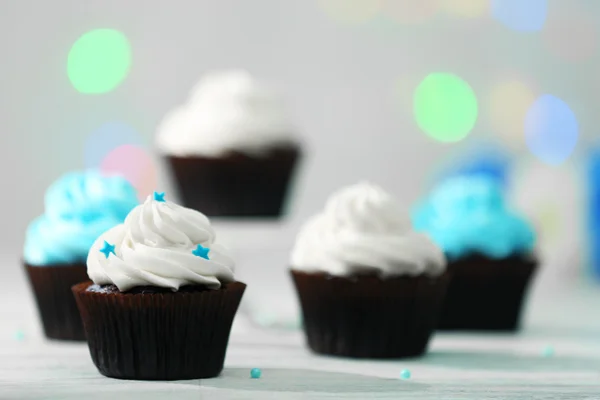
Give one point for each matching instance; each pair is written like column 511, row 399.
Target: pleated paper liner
column 236, row 184
column 369, row 316
column 51, row 286
column 156, row 334
column 487, row 294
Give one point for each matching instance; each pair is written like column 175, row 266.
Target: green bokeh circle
column 99, row 61
column 445, row 107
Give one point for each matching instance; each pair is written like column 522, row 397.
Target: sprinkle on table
column 405, row 374
column 255, row 373
column 548, row 351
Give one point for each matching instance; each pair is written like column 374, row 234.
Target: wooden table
column 565, row 319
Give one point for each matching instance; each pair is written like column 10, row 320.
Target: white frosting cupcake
column 227, row 111
column 362, row 229
column 160, row 244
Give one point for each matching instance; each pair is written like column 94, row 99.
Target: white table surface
column 458, row 366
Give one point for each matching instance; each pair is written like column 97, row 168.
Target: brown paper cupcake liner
column 368, row 316
column 486, row 294
column 58, row 311
column 236, row 185
column 153, row 334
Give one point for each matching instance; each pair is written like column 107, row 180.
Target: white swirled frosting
column 227, row 111
column 155, row 247
column 363, row 229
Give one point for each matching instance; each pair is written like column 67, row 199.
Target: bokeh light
column 99, row 61
column 551, row 129
column 411, row 11
column 445, row 107
column 136, row 165
column 466, row 8
column 549, row 220
column 508, row 104
column 540, row 206
column 353, row 12
column 555, row 213
column 105, row 139
column 521, row 15
column 570, row 36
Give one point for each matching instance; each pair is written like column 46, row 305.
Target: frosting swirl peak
column 363, row 229
column 160, row 244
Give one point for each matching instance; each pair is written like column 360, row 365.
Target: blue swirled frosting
column 467, row 215
column 79, row 207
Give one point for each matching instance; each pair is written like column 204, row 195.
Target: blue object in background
column 488, row 161
column 494, row 169
column 593, row 180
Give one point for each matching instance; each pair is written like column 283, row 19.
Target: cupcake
column 78, row 207
column 369, row 286
column 231, row 148
column 163, row 296
column 489, row 248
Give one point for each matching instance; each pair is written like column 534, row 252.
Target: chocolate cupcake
column 368, row 285
column 163, row 296
column 490, row 249
column 231, row 148
column 78, row 207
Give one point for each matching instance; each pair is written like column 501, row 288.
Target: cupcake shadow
column 507, row 362
column 302, row 380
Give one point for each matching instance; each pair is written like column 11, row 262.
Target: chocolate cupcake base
column 154, row 334
column 51, row 287
column 486, row 294
column 236, row 184
column 368, row 316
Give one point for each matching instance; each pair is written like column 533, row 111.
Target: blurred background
column 400, row 92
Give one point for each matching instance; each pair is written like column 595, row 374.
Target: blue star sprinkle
column 201, row 252
column 159, row 196
column 107, row 249
column 255, row 373
column 405, row 374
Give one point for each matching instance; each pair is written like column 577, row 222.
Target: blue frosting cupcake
column 79, row 207
column 489, row 248
column 467, row 215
